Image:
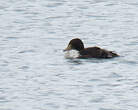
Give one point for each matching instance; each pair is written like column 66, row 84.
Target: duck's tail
column 108, row 54
column 113, row 54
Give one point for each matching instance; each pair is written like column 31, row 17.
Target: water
column 35, row 75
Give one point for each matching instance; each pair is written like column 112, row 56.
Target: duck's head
column 75, row 44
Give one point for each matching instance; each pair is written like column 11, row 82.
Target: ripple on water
column 3, row 99
column 110, row 109
column 98, row 99
column 27, row 51
column 114, row 75
column 54, row 4
column 12, row 38
column 24, row 67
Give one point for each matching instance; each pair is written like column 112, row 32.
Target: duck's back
column 96, row 52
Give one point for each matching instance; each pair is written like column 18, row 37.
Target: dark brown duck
column 90, row 52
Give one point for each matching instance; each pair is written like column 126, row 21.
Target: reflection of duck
column 90, row 52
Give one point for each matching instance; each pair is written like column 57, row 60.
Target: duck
column 90, row 52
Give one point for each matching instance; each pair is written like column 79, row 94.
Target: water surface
column 35, row 75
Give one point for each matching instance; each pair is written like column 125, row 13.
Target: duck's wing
column 91, row 52
column 96, row 52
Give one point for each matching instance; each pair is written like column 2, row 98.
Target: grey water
column 35, row 75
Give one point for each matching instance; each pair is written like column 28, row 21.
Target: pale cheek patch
column 72, row 54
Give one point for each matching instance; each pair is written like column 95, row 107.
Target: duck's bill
column 68, row 48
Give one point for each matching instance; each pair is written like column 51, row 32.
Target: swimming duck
column 90, row 52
